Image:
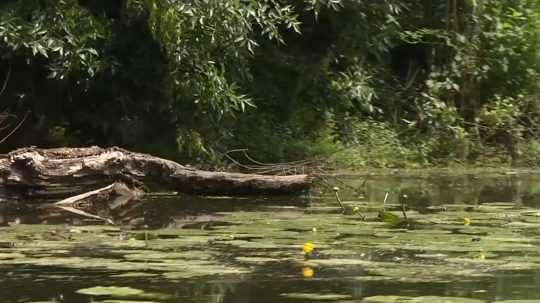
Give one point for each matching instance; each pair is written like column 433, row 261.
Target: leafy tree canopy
column 285, row 79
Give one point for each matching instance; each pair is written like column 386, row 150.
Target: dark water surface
column 470, row 237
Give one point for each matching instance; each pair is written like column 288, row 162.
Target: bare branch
column 4, row 116
column 15, row 128
column 4, row 85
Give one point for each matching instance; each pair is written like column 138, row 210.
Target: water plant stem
column 385, row 198
column 404, row 212
column 336, row 191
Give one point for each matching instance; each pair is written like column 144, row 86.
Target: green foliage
column 307, row 135
column 502, row 113
column 374, row 144
column 61, row 31
column 388, row 217
column 354, row 90
column 531, row 153
column 385, row 83
column 207, row 44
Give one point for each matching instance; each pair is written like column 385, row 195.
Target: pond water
column 469, row 237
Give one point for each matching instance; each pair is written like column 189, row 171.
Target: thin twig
column 284, row 168
column 15, row 128
column 4, row 85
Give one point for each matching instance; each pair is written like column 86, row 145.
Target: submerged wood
column 105, row 204
column 63, row 172
column 116, row 195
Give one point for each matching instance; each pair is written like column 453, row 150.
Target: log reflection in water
column 152, row 212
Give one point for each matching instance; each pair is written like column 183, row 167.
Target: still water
column 469, row 237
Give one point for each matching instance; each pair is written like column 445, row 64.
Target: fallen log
column 63, row 172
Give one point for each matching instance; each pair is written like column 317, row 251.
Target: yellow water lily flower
column 308, row 247
column 466, row 221
column 356, row 210
column 307, row 272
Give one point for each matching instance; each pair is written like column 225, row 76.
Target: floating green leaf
column 316, row 296
column 114, row 291
column 424, row 299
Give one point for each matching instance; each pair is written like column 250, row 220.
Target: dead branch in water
column 317, row 168
column 280, row 168
column 69, row 171
column 115, row 195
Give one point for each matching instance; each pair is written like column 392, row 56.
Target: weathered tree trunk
column 62, row 172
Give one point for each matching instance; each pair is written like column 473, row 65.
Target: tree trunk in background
column 63, row 172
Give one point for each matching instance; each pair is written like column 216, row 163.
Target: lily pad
column 316, row 296
column 387, row 299
column 422, row 299
column 256, row 259
column 135, row 274
column 114, row 291
column 435, row 299
column 519, row 301
column 4, row 256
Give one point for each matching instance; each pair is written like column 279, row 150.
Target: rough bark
column 62, row 172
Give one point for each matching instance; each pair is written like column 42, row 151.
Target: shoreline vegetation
column 386, row 157
column 359, row 84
